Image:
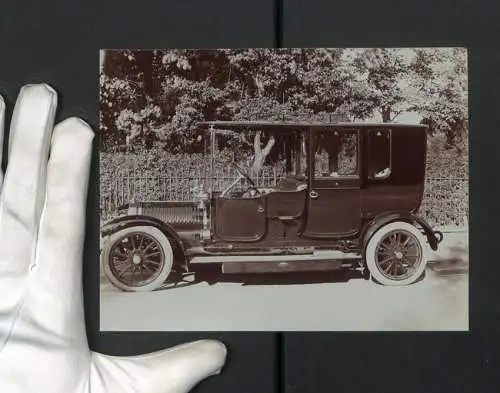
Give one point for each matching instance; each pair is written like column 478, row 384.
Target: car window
column 379, row 154
column 336, row 154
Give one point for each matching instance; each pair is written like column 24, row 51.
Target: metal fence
column 179, row 184
column 445, row 201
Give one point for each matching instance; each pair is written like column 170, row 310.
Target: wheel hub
column 398, row 255
column 136, row 258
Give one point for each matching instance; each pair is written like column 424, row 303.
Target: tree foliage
column 154, row 98
column 441, row 78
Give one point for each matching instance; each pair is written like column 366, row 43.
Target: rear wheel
column 138, row 258
column 397, row 254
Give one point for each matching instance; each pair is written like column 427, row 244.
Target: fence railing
column 445, row 201
column 131, row 185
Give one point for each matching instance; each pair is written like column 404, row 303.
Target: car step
column 317, row 256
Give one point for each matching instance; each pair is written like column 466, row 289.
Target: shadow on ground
column 213, row 275
column 457, row 262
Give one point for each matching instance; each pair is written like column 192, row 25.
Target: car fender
column 120, row 223
column 434, row 237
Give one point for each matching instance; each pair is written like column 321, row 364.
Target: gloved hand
column 43, row 345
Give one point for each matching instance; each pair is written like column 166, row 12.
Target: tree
column 311, row 79
column 121, row 88
column 188, row 86
column 440, row 75
column 139, row 126
column 115, row 95
column 377, row 87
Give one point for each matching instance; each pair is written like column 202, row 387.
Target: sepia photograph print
column 296, row 189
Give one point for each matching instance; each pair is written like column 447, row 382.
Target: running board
column 282, row 267
column 317, row 256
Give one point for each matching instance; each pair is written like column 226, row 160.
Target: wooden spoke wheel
column 137, row 258
column 397, row 254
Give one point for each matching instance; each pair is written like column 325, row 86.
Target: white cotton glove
column 43, row 346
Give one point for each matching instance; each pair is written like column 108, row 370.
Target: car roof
column 243, row 125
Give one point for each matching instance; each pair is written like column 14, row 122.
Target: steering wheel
column 247, row 178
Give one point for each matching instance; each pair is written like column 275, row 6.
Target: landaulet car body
column 349, row 198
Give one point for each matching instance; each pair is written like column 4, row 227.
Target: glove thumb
column 173, row 370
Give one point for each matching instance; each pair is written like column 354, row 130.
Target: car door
column 334, row 201
column 240, row 219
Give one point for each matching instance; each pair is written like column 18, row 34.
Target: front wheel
column 397, row 254
column 138, row 258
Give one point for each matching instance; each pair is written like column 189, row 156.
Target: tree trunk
column 259, row 86
column 386, row 114
column 260, row 154
column 144, row 61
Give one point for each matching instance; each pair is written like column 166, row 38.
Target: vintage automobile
column 349, row 199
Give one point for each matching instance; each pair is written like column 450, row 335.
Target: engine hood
column 180, row 214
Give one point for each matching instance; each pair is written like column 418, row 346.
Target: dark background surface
column 417, row 362
column 58, row 42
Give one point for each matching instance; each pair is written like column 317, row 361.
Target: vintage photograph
column 295, row 189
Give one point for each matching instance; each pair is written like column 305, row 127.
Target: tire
column 124, row 260
column 397, row 254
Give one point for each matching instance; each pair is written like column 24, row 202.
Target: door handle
column 260, row 209
column 313, row 194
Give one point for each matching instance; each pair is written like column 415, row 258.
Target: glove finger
column 2, row 130
column 176, row 369
column 56, row 294
column 23, row 193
